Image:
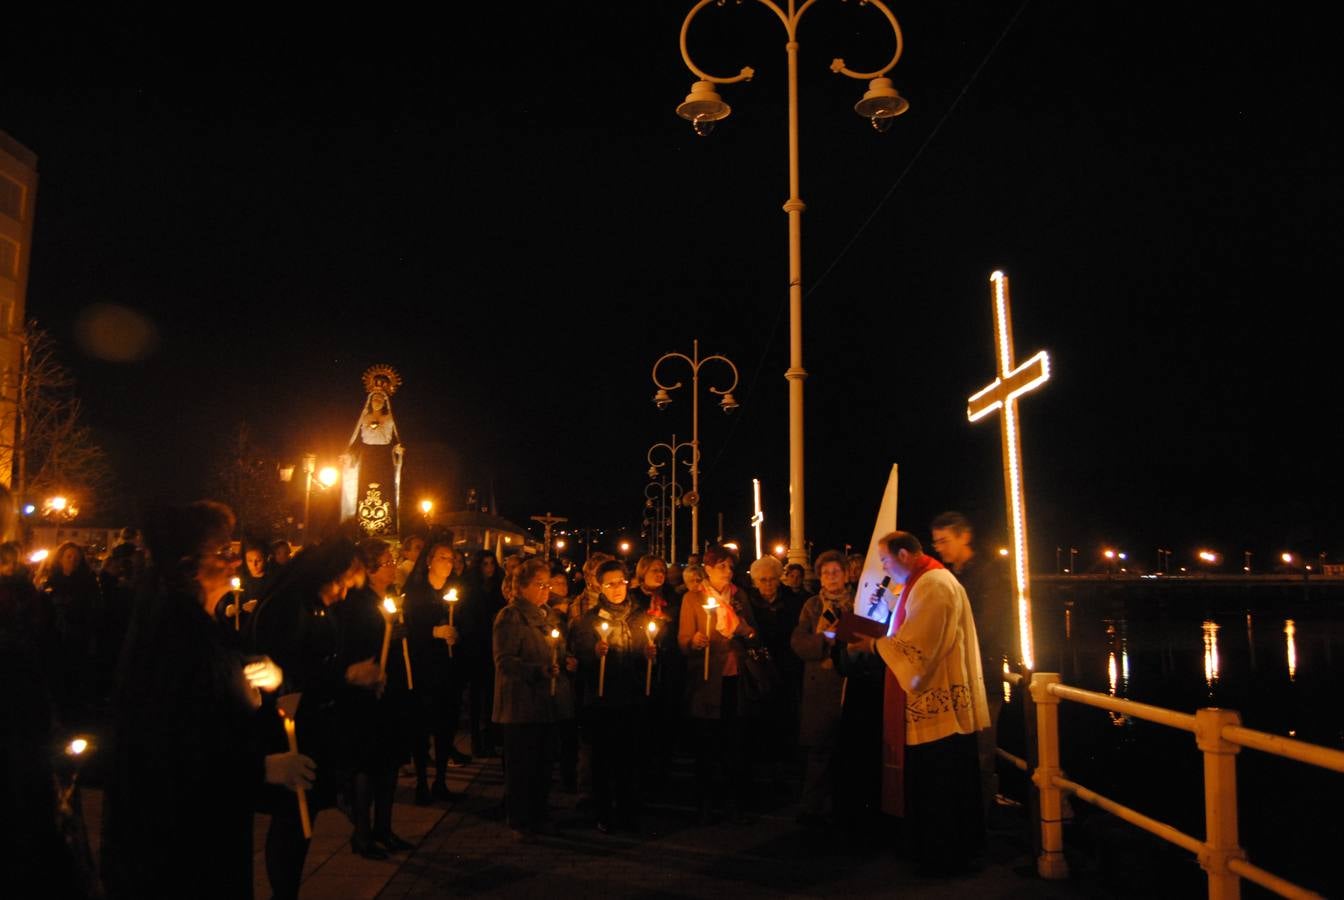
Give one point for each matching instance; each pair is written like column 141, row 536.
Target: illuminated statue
column 371, row 486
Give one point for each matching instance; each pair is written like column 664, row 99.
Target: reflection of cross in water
column 1011, row 383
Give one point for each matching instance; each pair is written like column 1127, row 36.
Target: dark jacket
column 522, row 652
column 627, row 665
column 989, row 588
column 819, row 711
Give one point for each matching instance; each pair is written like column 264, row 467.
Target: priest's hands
column 863, row 644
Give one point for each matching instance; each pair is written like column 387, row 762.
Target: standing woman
column 485, row 594
column 74, row 601
column 382, row 724
column 442, row 674
column 186, row 761
column 613, row 720
column 719, row 718
column 813, row 641
column 524, row 709
column 297, row 625
column 662, row 604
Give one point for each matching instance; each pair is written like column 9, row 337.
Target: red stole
column 893, row 710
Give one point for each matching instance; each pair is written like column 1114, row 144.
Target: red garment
column 893, row 709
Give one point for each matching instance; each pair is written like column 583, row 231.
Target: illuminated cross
column 548, row 520
column 759, row 517
column 1013, row 382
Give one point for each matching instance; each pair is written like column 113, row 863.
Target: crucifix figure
column 1012, row 382
column 549, row 521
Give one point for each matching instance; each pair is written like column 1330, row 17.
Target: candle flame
column 78, row 746
column 389, row 604
column 451, row 596
column 653, row 628
column 555, row 634
column 712, row 604
column 604, row 626
column 236, row 582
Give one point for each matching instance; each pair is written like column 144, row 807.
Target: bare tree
column 245, row 476
column 53, row 451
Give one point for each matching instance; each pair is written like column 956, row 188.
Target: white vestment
column 935, row 655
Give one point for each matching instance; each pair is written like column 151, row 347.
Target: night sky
column 503, row 205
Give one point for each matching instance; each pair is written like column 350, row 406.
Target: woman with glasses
column 612, row 646
column 652, row 593
column 526, row 664
column 716, row 618
column 441, row 662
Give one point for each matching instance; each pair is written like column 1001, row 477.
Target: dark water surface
column 1274, row 652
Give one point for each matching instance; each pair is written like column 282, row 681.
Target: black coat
column 186, row 762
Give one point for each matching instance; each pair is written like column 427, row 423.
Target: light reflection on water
column 1211, row 664
column 1290, row 637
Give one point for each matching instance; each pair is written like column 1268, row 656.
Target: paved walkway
column 464, row 850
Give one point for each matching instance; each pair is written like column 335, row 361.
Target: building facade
column 18, row 194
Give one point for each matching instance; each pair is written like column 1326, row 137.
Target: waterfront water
column 1275, row 653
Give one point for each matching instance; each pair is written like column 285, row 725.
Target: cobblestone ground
column 465, row 850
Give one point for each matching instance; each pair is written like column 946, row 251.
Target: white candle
column 648, row 674
column 602, row 666
column 555, row 648
column 451, row 599
column 389, row 610
column 709, row 629
column 237, row 584
column 304, row 818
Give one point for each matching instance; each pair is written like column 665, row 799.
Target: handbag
column 759, row 681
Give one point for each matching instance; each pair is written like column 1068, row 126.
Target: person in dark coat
column 614, row 701
column 776, row 610
column 720, row 718
column 382, row 726
column 70, row 591
column 814, row 642
column 526, row 662
column 484, row 583
column 187, row 760
column 295, row 624
column 442, row 674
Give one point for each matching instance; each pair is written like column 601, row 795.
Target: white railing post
column 1051, row 863
column 1220, row 801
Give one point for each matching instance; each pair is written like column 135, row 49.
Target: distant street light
column 624, row 547
column 59, row 509
column 670, row 493
column 1287, row 558
column 327, row 477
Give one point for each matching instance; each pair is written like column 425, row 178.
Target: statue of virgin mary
column 371, row 482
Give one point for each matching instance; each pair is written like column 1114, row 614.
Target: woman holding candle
column 524, row 709
column 334, row 676
column 382, row 725
column 611, row 643
column 714, row 621
column 186, row 764
column 667, row 695
column 439, row 675
column 813, row 641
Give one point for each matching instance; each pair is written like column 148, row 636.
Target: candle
column 648, row 674
column 303, row 795
column 709, row 628
column 237, row 584
column 406, row 650
column 451, row 599
column 389, row 609
column 555, row 647
column 602, row 666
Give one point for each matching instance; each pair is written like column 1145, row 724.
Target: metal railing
column 1219, row 735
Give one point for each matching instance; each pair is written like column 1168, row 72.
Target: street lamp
column 675, row 496
column 704, row 107
column 59, row 508
column 662, row 399
column 325, row 479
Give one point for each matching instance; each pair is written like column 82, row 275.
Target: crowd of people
column 235, row 680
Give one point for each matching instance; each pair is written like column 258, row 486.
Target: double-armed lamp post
column 663, row 399
column 880, row 105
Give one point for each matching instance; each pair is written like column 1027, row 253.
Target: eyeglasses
column 613, row 584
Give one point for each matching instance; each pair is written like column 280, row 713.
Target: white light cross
column 1013, row 382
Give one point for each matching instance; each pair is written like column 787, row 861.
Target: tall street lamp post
column 309, row 467
column 662, row 399
column 676, row 496
column 703, row 107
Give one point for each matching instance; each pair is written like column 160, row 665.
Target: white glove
column 292, row 770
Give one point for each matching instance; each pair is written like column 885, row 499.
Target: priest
column 930, row 766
